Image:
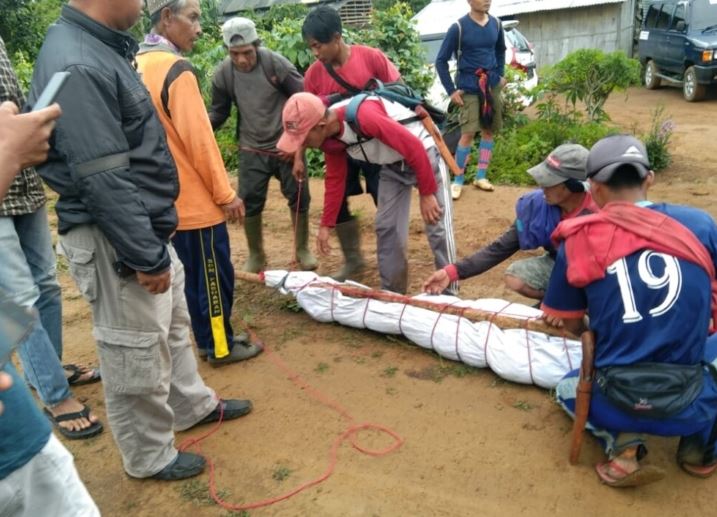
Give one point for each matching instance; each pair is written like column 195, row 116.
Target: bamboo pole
column 500, row 320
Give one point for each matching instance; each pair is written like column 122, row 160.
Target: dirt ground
column 474, row 444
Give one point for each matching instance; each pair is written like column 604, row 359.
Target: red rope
column 490, row 327
column 458, row 327
column 530, row 357
column 295, row 257
column 349, row 434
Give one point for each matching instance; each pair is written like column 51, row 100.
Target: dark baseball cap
column 567, row 161
column 608, row 154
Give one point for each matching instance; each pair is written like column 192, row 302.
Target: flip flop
column 642, row 476
column 699, row 471
column 77, row 372
column 80, row 434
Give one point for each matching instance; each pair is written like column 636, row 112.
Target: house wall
column 557, row 33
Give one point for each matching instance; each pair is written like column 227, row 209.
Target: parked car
column 518, row 53
column 678, row 45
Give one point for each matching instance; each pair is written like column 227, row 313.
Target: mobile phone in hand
column 51, row 91
column 16, row 323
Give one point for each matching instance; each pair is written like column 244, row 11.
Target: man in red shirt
column 406, row 155
column 354, row 65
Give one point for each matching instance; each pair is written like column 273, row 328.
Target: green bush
column 520, row 148
column 393, row 31
column 590, row 76
column 657, row 139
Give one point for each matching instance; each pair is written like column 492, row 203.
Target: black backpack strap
column 266, row 62
column 178, row 68
column 459, row 50
column 353, row 90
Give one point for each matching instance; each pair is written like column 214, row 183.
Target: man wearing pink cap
column 381, row 134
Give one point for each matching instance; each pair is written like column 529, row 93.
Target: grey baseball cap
column 239, row 31
column 613, row 151
column 565, row 162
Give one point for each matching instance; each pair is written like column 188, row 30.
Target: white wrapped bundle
column 514, row 354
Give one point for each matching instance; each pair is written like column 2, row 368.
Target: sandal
column 642, row 476
column 80, row 371
column 93, row 430
column 699, row 471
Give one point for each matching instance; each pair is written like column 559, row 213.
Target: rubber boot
column 255, row 243
column 349, row 236
column 306, row 259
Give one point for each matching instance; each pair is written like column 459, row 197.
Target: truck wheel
column 652, row 81
column 691, row 89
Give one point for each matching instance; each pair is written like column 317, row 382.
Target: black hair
column 322, row 24
column 626, row 176
column 574, row 186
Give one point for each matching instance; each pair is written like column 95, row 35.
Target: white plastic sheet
column 514, row 354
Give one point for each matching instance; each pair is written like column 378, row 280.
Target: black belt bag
column 653, row 390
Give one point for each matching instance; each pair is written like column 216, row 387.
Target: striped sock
column 485, row 150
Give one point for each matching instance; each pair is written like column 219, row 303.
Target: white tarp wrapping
column 514, row 354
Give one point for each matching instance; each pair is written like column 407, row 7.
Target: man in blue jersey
column 645, row 273
column 478, row 43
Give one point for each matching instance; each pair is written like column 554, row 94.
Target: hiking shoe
column 185, row 465
column 241, row 351
column 484, row 184
column 233, row 408
column 456, row 190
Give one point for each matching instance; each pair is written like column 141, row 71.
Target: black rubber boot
column 306, row 259
column 349, row 235
column 255, row 243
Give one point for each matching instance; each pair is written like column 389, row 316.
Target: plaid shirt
column 26, row 194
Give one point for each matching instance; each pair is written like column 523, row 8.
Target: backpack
column 355, row 103
column 395, row 91
column 264, row 60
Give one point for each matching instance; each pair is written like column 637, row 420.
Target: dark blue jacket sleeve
column 500, row 50
column 448, row 49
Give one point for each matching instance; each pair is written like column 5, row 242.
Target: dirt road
column 474, row 444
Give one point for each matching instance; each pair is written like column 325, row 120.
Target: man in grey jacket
column 117, row 183
column 258, row 81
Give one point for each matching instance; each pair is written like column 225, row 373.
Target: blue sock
column 485, row 151
column 462, row 154
column 458, row 180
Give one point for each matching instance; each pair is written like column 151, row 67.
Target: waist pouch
column 652, row 390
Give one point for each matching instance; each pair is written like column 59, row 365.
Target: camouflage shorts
column 534, row 271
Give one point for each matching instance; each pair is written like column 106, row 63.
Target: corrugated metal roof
column 532, row 6
column 236, row 6
column 437, row 16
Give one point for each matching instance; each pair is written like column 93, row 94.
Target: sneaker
column 233, row 408
column 456, row 190
column 239, row 339
column 484, row 184
column 241, row 351
column 185, row 465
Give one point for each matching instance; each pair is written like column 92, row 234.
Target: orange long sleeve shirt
column 203, row 181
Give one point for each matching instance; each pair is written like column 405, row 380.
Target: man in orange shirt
column 206, row 199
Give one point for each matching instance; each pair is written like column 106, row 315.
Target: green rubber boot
column 306, row 259
column 255, row 243
column 349, row 235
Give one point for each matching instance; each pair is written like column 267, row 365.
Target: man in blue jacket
column 478, row 43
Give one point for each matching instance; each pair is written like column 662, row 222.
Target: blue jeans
column 28, row 277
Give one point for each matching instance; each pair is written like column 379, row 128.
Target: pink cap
column 302, row 112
